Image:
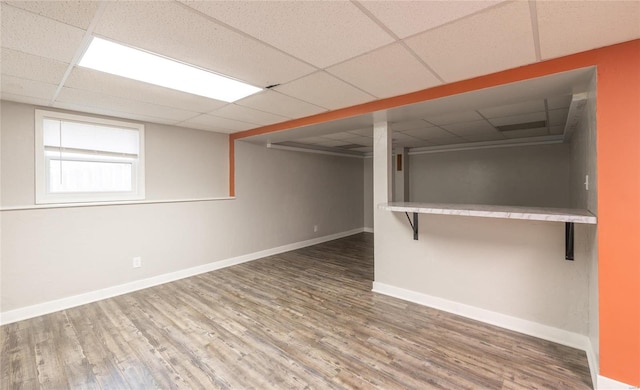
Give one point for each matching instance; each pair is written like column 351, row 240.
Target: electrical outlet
column 137, row 262
column 586, row 182
column 315, row 228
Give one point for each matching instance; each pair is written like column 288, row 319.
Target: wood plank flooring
column 305, row 319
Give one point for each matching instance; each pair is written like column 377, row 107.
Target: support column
column 381, row 164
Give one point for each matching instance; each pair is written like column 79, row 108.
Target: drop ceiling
column 320, row 55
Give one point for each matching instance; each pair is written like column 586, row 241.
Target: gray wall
column 514, row 176
column 49, row 254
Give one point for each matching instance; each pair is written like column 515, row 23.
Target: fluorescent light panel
column 124, row 61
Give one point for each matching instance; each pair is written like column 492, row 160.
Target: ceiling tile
column 87, row 79
column 249, row 115
column 311, row 140
column 324, row 90
column 279, row 104
column 364, row 141
column 448, row 141
column 406, row 18
column 364, row 149
column 333, row 143
column 471, row 128
column 516, row 119
column 456, row 117
column 429, row 133
column 175, row 31
column 119, row 104
column 409, row 125
column 75, row 13
column 371, row 72
column 484, row 137
column 365, row 132
column 339, row 136
column 37, row 35
column 559, row 102
column 27, row 66
column 526, row 133
column 216, row 124
column 321, row 33
column 568, row 27
column 558, row 117
column 112, row 113
column 28, row 88
column 556, row 130
column 497, row 39
column 513, row 109
column 24, row 99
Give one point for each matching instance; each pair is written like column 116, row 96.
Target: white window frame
column 44, row 196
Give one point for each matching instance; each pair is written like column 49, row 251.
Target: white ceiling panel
column 87, row 79
column 364, row 141
column 216, row 124
column 409, row 125
column 279, row 104
column 24, row 99
column 324, row 90
column 115, row 103
column 311, row 140
column 555, row 130
column 339, row 136
column 471, row 128
column 365, row 132
column 321, row 33
column 559, row 117
column 568, row 27
column 516, row 119
column 333, row 143
column 513, row 109
column 406, row 18
column 111, row 113
column 28, row 88
column 559, row 102
column 175, row 31
column 27, row 66
column 456, row 117
column 372, row 72
column 75, row 13
column 246, row 114
column 37, row 35
column 496, row 39
column 364, row 149
column 448, row 141
column 526, row 133
column 484, row 137
column 429, row 133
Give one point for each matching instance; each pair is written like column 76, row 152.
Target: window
column 85, row 159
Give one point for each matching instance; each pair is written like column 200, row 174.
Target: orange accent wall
column 618, row 148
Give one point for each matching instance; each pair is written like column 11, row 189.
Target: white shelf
column 490, row 211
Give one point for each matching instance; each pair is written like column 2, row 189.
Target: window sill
column 119, row 203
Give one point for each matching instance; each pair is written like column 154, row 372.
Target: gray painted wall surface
column 368, row 193
column 49, row 254
column 514, row 176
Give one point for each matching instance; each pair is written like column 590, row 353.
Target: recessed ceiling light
column 125, row 61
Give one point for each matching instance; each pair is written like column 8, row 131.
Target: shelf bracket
column 414, row 224
column 568, row 240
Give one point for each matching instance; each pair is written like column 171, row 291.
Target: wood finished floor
column 302, row 319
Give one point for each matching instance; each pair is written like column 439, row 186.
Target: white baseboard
column 368, row 230
column 594, row 367
column 605, row 383
column 530, row 328
column 97, row 295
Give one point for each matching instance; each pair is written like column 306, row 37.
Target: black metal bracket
column 414, row 224
column 568, row 240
